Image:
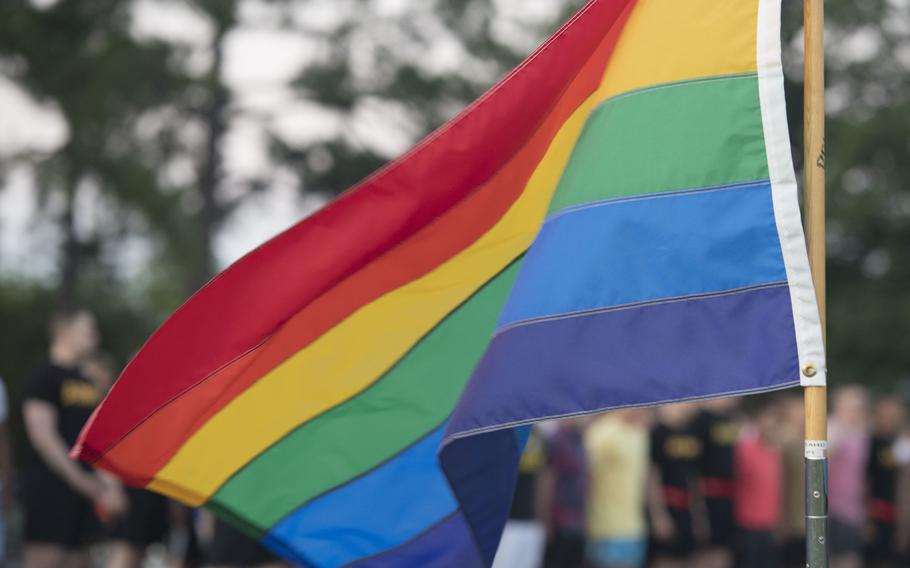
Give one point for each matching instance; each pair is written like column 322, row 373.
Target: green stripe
column 413, row 398
column 676, row 136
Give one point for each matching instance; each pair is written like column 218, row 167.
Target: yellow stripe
column 676, row 40
column 349, row 357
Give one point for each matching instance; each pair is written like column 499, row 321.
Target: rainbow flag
column 615, row 223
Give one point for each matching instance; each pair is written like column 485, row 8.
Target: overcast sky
column 260, row 58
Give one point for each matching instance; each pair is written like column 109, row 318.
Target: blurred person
column 145, row 520
column 6, row 470
column 672, row 496
column 792, row 528
column 61, row 497
column 618, row 450
column 562, row 494
column 716, row 426
column 848, row 452
column 183, row 540
column 902, row 536
column 757, row 497
column 523, row 539
column 882, row 480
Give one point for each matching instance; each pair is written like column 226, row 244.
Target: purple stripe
column 691, row 348
column 446, row 545
column 482, row 471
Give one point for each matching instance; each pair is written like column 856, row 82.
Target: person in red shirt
column 757, row 487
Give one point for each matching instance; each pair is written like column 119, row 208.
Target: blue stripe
column 710, row 346
column 379, row 511
column 446, row 545
column 665, row 246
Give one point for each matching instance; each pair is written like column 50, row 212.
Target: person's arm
column 114, row 502
column 902, row 452
column 701, row 526
column 40, row 419
column 543, row 499
column 661, row 522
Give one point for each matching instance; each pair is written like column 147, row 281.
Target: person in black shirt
column 882, row 479
column 145, row 521
column 717, row 429
column 60, row 496
column 673, row 500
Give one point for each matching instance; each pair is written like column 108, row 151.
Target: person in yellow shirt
column 618, row 447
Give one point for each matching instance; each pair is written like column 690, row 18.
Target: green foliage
column 81, row 57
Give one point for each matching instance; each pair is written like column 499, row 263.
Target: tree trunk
column 210, row 174
column 70, row 249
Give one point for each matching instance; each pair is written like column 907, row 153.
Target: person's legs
column 714, row 557
column 43, row 555
column 552, row 556
column 846, row 545
column 51, row 520
column 122, row 554
column 793, row 553
column 565, row 550
column 667, row 562
column 718, row 552
column 77, row 558
column 847, row 560
column 767, row 549
column 749, row 550
column 576, row 552
column 880, row 550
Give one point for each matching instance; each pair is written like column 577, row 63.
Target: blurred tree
column 80, row 57
column 214, row 110
column 868, row 172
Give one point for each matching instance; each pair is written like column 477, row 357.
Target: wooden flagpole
column 814, row 192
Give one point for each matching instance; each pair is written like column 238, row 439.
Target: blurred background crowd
column 715, row 484
column 147, row 144
column 712, row 484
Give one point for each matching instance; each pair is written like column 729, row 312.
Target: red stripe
column 252, row 299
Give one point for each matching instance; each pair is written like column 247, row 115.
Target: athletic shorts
column 756, row 549
column 881, row 548
column 146, row 520
column 682, row 545
column 844, row 538
column 793, row 553
column 55, row 513
column 626, row 552
column 720, row 519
